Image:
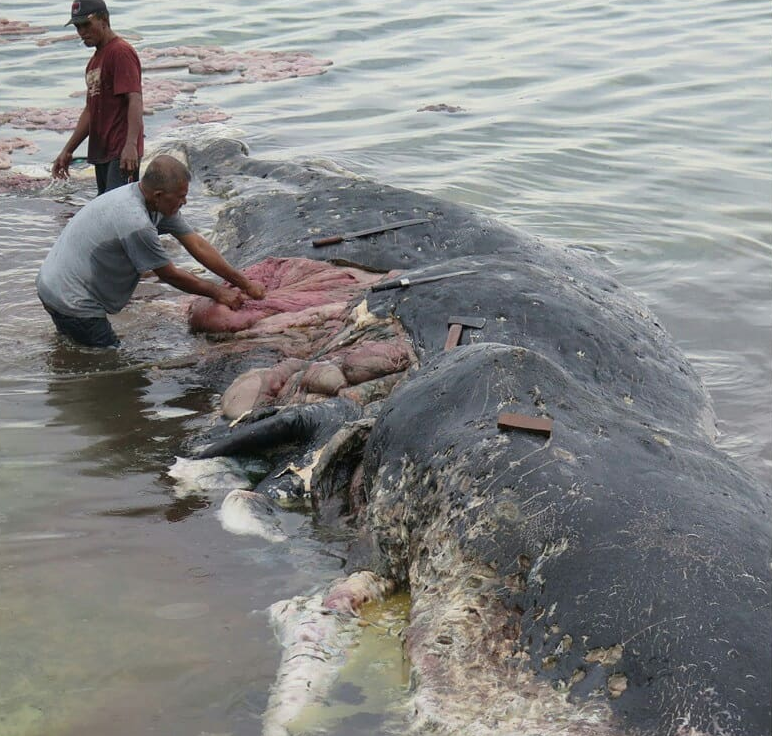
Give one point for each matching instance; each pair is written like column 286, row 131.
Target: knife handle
column 384, row 285
column 327, row 241
column 454, row 335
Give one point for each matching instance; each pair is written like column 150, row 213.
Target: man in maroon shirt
column 112, row 117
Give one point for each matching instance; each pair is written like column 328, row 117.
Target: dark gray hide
column 610, row 532
column 627, row 525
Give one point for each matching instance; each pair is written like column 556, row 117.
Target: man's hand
column 255, row 290
column 130, row 161
column 183, row 280
column 231, row 298
column 61, row 167
column 203, row 251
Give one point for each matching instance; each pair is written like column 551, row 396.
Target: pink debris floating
column 8, row 145
column 56, row 39
column 18, row 28
column 15, row 183
column 35, row 118
column 176, row 57
column 208, row 115
column 251, row 66
column 159, row 93
column 74, row 37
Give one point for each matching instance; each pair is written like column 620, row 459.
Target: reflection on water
column 107, row 585
column 97, row 395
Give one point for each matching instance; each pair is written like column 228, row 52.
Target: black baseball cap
column 81, row 9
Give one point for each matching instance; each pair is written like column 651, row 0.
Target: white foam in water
column 218, row 474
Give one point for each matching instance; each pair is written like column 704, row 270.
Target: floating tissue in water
column 206, row 476
column 247, row 512
column 316, row 633
column 242, row 510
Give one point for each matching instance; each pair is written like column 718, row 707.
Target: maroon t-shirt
column 112, row 72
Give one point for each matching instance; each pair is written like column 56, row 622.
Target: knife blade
column 332, row 239
column 404, row 281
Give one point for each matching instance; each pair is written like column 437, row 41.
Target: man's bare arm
column 207, row 255
column 185, row 281
column 130, row 155
column 61, row 167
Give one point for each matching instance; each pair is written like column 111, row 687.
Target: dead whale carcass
column 610, row 578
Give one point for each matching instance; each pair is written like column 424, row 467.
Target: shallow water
column 640, row 130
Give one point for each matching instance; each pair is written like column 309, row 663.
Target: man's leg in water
column 111, row 176
column 96, row 332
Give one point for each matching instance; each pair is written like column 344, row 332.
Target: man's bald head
column 165, row 173
column 164, row 185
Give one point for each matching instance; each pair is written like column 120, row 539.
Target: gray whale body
column 612, row 578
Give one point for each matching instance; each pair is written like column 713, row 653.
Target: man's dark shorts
column 96, row 332
column 111, row 176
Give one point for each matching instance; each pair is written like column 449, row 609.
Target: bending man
column 96, row 262
column 112, row 117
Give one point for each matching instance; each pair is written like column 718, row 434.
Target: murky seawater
column 640, row 130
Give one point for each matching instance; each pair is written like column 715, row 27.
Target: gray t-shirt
column 95, row 264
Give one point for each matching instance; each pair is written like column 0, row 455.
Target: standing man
column 96, row 262
column 112, row 117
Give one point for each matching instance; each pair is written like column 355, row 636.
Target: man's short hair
column 166, row 173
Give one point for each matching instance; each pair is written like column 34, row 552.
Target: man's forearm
column 134, row 117
column 80, row 133
column 187, row 282
column 207, row 256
